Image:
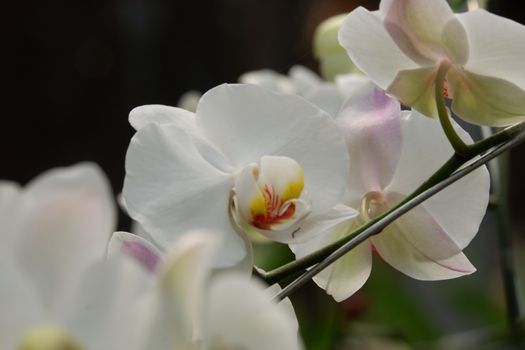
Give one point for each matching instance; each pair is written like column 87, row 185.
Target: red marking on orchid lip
column 274, row 210
column 445, row 89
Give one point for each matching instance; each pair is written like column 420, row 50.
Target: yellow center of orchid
column 270, row 207
column 269, row 196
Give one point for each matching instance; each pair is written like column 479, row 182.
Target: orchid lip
column 270, row 196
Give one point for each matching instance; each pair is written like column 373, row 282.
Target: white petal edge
column 367, row 43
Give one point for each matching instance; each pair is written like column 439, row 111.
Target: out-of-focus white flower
column 271, row 162
column 192, row 308
column 56, row 289
column 394, row 152
column 329, row 96
column 405, row 44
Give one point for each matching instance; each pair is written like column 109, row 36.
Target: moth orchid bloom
column 329, row 96
column 192, row 308
column 248, row 157
column 408, row 45
column 57, row 290
column 427, row 242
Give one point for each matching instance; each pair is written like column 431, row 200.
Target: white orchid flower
column 57, row 291
column 408, row 45
column 393, row 153
column 274, row 163
column 193, row 309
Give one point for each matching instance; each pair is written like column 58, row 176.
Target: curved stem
column 401, row 209
column 459, row 146
column 454, row 163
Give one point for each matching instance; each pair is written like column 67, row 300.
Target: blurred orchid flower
column 386, row 146
column 57, row 291
column 248, row 157
column 408, row 45
column 193, row 308
column 329, row 96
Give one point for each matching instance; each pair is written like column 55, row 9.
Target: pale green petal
column 486, row 100
column 415, row 88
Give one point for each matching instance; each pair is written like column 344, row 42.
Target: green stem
column 454, row 163
column 459, row 146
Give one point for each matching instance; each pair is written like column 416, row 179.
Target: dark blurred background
column 72, row 70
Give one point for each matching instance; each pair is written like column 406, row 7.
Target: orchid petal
column 348, row 274
column 370, row 121
column 460, row 207
column 131, row 245
column 159, row 114
column 234, row 116
column 495, row 46
column 19, row 304
column 101, row 312
column 269, row 79
column 350, row 84
column 417, row 245
column 254, row 322
column 416, row 88
column 367, row 42
column 425, row 31
column 9, row 207
column 327, row 97
column 169, row 181
column 485, row 100
column 304, row 80
column 183, row 291
column 69, row 215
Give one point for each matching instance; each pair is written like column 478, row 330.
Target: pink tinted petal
column 370, row 121
column 417, row 245
column 137, row 248
column 460, row 207
column 423, row 30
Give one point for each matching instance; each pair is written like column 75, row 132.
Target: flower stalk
column 376, row 226
column 508, row 136
column 457, row 143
